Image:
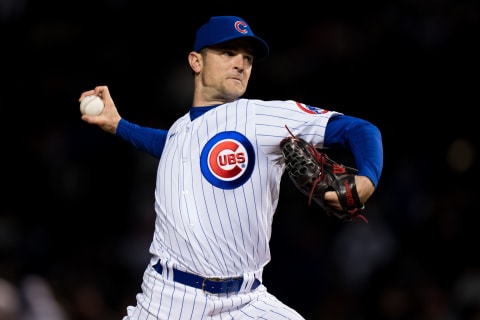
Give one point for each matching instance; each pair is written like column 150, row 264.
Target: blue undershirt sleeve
column 149, row 140
column 364, row 140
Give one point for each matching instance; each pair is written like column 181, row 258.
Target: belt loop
column 248, row 279
column 168, row 270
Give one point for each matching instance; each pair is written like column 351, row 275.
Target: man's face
column 227, row 68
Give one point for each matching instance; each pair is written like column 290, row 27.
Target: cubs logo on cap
column 224, row 28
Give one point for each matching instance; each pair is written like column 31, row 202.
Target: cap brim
column 260, row 47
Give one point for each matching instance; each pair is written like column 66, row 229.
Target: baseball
column 91, row 106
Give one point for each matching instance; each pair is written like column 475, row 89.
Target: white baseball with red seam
column 91, row 106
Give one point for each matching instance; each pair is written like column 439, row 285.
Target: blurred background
column 77, row 204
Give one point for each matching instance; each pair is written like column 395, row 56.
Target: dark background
column 77, row 204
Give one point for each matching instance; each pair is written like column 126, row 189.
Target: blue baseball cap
column 224, row 28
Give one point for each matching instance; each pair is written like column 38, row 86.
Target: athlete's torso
column 218, row 184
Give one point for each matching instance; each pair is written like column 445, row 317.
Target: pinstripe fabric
column 216, row 193
column 162, row 298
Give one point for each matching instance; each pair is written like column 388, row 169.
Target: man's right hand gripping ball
column 314, row 173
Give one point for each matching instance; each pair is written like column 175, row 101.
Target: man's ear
column 195, row 61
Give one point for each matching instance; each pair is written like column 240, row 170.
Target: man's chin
column 234, row 94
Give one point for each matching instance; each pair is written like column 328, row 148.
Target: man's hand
column 108, row 120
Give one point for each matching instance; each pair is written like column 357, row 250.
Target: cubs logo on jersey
column 227, row 160
column 310, row 109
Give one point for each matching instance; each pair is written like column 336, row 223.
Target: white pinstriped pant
column 164, row 299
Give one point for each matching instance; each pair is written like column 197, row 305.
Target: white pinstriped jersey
column 218, row 184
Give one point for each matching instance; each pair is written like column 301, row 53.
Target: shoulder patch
column 310, row 109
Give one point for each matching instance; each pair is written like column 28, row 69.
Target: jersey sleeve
column 276, row 119
column 364, row 141
column 149, row 140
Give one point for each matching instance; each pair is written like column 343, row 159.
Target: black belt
column 209, row 285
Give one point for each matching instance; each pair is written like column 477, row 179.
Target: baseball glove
column 314, row 173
